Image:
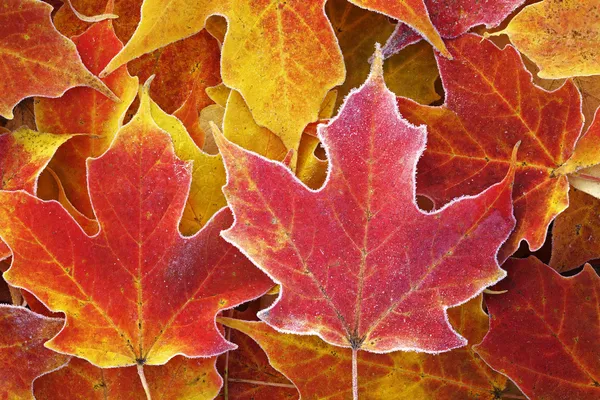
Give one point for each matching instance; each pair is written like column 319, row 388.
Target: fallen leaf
column 23, row 356
column 459, row 374
column 311, row 170
column 345, row 255
column 544, row 331
column 328, row 107
column 576, row 232
column 190, row 112
column 81, row 110
column 216, row 25
column 294, row 76
column 37, row 60
column 240, row 127
column 23, row 116
column 357, row 30
column 491, row 104
column 180, row 378
column 561, row 36
column 137, row 292
column 589, row 87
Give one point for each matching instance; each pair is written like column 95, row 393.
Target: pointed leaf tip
column 219, row 138
column 377, row 63
column 144, row 95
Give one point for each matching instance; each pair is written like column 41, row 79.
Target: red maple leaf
column 359, row 263
column 137, row 292
column 544, row 331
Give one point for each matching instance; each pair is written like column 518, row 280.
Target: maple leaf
column 23, row 155
column 137, row 292
column 543, row 313
column 491, row 104
column 452, row 18
column 213, row 114
column 357, row 30
column 81, row 110
column 410, row 74
column 37, row 59
column 345, row 255
column 180, row 378
column 459, row 374
column 550, row 33
column 160, row 26
column 23, row 356
column 22, row 117
column 575, row 232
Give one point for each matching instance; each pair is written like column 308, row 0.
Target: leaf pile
column 342, row 199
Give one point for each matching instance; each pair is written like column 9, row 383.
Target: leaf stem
column 226, row 377
column 140, row 369
column 262, row 383
column 355, row 373
column 587, row 177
